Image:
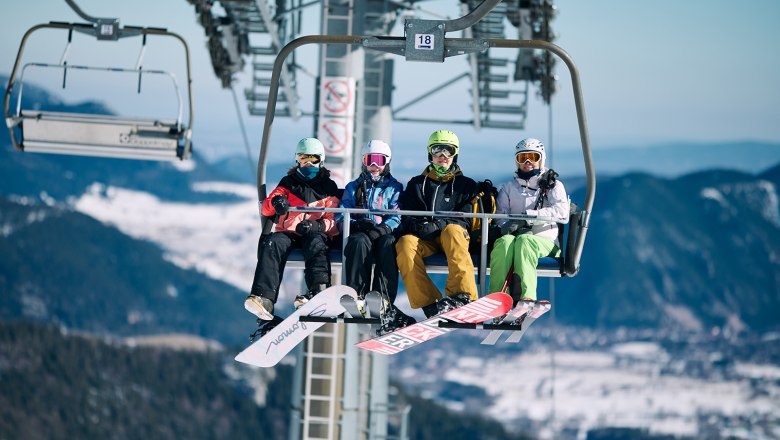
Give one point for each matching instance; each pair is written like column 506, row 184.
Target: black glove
column 428, row 230
column 378, row 231
column 548, row 179
column 362, row 225
column 280, row 204
column 307, row 227
column 513, row 226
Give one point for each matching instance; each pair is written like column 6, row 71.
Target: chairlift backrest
column 99, row 135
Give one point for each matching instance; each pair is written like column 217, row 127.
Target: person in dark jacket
column 371, row 241
column 441, row 187
column 308, row 184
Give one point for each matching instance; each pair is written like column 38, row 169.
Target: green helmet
column 311, row 146
column 443, row 137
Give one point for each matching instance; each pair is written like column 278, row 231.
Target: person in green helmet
column 441, row 187
column 307, row 184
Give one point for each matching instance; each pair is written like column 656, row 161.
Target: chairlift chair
column 572, row 237
column 82, row 134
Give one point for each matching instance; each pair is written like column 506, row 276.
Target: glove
column 307, row 227
column 280, row 204
column 548, row 179
column 428, row 230
column 378, row 231
column 362, row 225
column 512, row 226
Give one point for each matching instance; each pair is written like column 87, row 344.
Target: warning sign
column 336, row 135
column 336, row 123
column 337, row 97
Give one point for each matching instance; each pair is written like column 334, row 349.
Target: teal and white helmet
column 532, row 145
column 311, row 146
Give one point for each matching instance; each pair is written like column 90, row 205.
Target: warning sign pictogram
column 338, row 97
column 336, row 135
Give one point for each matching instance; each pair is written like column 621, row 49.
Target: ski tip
column 501, row 297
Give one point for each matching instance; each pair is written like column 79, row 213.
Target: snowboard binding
column 263, row 327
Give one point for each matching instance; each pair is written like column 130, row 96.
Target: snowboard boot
column 393, row 319
column 452, row 302
column 264, row 326
column 430, row 310
column 259, row 306
column 302, row 299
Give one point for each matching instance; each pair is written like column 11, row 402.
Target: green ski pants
column 524, row 251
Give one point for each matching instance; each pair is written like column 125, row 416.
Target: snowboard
column 537, row 310
column 279, row 341
column 487, row 307
column 516, row 313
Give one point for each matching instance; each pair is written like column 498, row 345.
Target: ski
column 349, row 303
column 351, row 306
column 537, row 310
column 374, row 301
column 516, row 313
column 487, row 307
column 279, row 341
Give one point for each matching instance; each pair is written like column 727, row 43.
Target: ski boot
column 259, row 306
column 393, row 319
column 264, row 326
column 529, row 303
column 302, row 299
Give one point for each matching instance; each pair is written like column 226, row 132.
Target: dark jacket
column 429, row 192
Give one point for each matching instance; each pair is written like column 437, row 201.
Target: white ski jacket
column 518, row 196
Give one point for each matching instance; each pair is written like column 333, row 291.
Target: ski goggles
column 377, row 159
column 442, row 150
column 308, row 158
column 530, row 156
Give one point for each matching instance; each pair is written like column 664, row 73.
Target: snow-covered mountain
column 670, row 326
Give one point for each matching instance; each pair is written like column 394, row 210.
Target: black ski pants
column 272, row 253
column 361, row 254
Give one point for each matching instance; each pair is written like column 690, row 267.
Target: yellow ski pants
column 454, row 242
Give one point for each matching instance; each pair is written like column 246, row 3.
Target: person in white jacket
column 534, row 191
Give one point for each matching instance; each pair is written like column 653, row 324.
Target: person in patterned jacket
column 309, row 184
column 372, row 241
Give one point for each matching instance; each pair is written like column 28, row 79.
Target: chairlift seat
column 103, row 135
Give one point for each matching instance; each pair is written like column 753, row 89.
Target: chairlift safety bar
column 176, row 87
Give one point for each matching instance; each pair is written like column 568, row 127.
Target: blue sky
column 652, row 72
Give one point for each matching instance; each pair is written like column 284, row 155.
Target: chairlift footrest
column 340, row 319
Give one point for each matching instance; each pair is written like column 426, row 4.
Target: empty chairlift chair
column 83, row 134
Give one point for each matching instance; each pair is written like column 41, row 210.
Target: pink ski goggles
column 377, row 159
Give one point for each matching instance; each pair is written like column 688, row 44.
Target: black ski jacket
column 430, row 192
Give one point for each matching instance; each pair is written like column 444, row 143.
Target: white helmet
column 532, row 144
column 311, row 146
column 377, row 146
